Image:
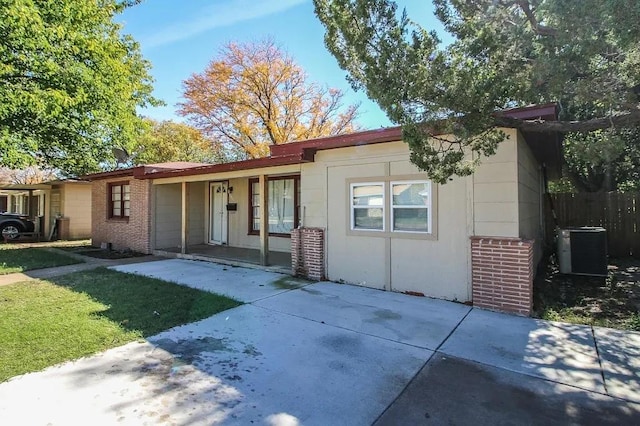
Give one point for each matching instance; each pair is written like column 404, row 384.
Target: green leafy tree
column 170, row 141
column 70, row 84
column 505, row 53
column 603, row 160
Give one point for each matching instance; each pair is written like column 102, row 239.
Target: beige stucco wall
column 76, row 206
column 168, row 217
column 197, row 206
column 239, row 221
column 529, row 197
column 495, row 191
column 436, row 267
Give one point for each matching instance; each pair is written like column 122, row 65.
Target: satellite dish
column 122, row 157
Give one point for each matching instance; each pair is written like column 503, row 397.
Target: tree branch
column 627, row 119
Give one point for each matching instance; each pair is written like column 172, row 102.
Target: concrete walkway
column 87, row 264
column 327, row 353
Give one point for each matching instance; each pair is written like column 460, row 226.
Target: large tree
column 505, row 53
column 164, row 141
column 254, row 95
column 70, row 83
column 603, row 160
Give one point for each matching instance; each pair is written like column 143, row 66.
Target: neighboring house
column 46, row 202
column 353, row 209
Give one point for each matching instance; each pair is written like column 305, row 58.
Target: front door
column 218, row 213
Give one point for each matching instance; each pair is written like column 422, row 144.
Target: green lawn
column 43, row 323
column 24, row 259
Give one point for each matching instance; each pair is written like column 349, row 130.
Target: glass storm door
column 218, row 219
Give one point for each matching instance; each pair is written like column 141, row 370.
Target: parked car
column 11, row 225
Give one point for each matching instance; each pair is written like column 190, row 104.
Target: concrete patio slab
column 412, row 320
column 242, row 366
column 453, row 391
column 243, row 284
column 620, row 358
column 564, row 353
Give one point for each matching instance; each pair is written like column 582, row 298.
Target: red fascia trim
column 366, row 137
column 546, row 111
column 255, row 163
column 114, row 173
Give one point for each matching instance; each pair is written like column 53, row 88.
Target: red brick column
column 502, row 274
column 307, row 253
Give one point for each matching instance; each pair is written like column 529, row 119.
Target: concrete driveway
column 335, row 354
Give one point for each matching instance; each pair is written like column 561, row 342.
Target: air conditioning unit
column 583, row 251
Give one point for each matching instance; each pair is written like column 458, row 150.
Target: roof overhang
column 24, row 187
column 546, row 146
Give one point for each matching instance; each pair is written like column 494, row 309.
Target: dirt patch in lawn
column 612, row 301
column 99, row 253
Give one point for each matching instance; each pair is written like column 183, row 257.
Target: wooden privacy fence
column 617, row 212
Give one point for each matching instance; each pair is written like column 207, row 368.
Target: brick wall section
column 502, row 274
column 133, row 234
column 307, row 253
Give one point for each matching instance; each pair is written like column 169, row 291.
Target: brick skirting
column 307, row 253
column 502, row 274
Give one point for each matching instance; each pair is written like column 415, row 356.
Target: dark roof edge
column 255, row 163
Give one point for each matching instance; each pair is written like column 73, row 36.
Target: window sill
column 406, row 235
column 118, row 219
column 271, row 234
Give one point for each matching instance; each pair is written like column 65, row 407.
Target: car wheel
column 9, row 231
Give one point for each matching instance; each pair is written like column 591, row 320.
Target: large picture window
column 119, row 200
column 402, row 206
column 283, row 206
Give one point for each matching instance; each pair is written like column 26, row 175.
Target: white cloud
column 225, row 14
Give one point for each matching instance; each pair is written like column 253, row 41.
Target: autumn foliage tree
column 254, row 95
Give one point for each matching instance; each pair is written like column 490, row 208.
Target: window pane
column 281, row 205
column 367, row 195
column 368, row 218
column 127, row 204
column 116, row 211
column 415, row 220
column 115, row 193
column 411, row 194
column 127, row 192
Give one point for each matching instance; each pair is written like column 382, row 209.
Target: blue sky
column 181, row 37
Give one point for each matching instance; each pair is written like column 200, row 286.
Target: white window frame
column 393, row 207
column 353, row 207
